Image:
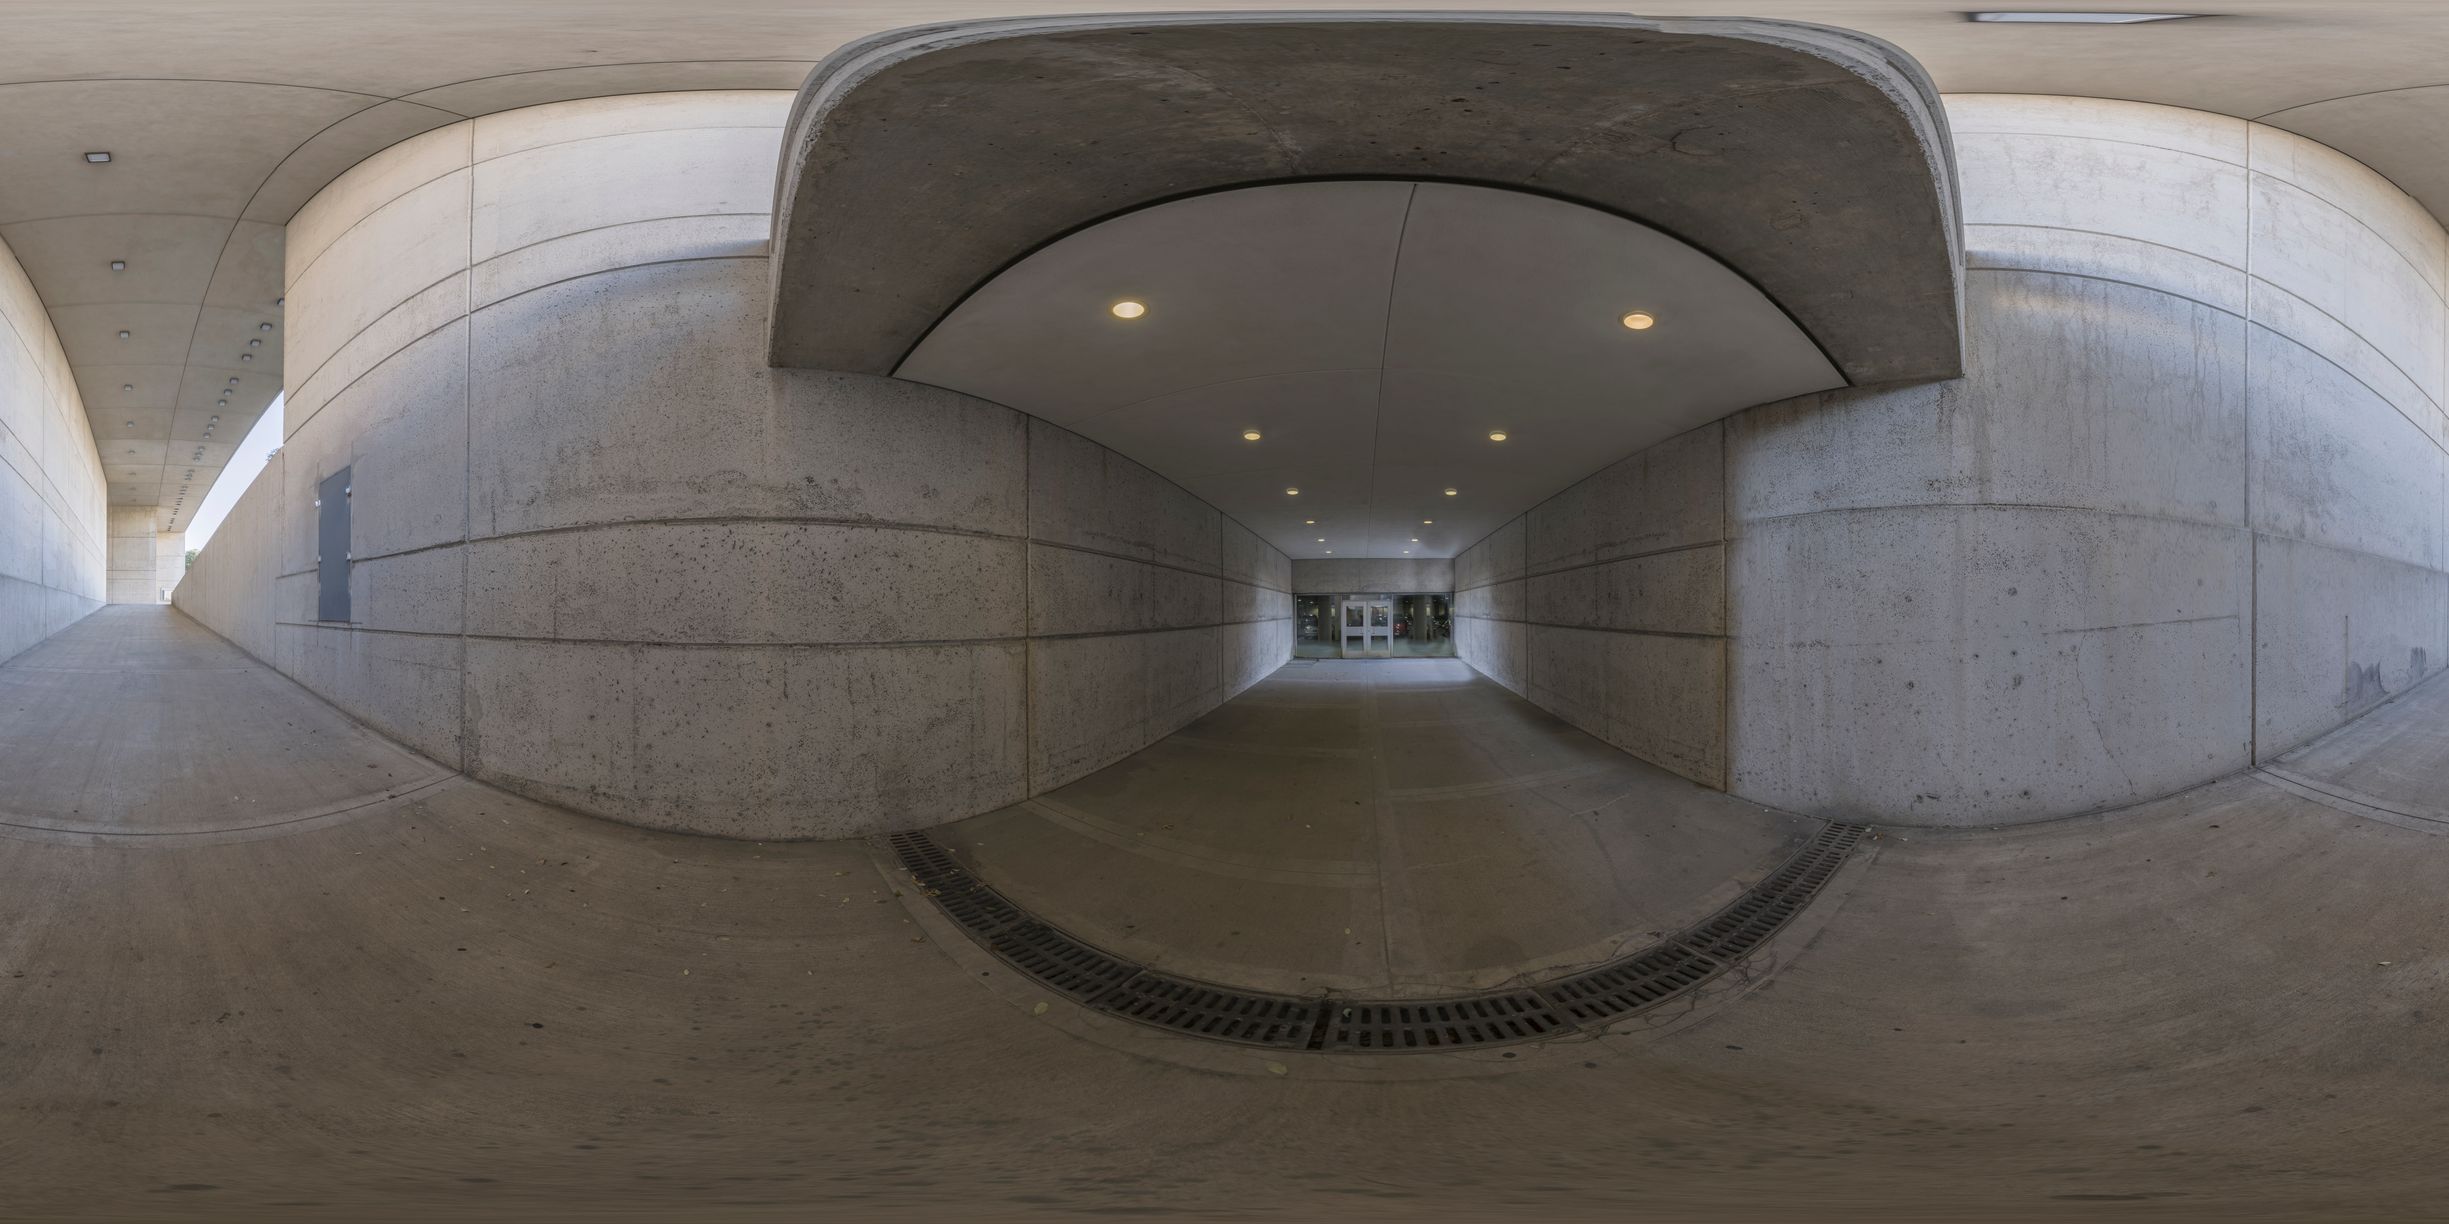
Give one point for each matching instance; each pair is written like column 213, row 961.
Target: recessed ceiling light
column 1292, row 492
column 1639, row 321
column 1330, row 552
column 127, row 386
column 1309, row 522
column 1415, row 539
column 1407, row 552
column 123, row 334
column 1250, row 435
column 131, row 424
column 263, row 327
column 280, row 301
column 1322, row 539
column 246, row 356
column 255, row 344
column 1452, row 492
column 119, row 265
column 1496, row 435
column 233, row 382
column 2048, row 17
column 98, row 156
column 1426, row 522
column 1127, row 309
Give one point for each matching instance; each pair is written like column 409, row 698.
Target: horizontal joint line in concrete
column 2093, row 233
column 652, row 263
column 1663, row 633
column 654, row 643
column 794, row 520
column 1990, row 505
column 2090, row 138
column 1655, row 552
column 290, row 429
column 2361, row 223
column 351, row 627
column 2334, row 363
column 377, row 210
column 2246, row 317
column 628, row 132
column 507, row 252
column 1106, row 633
column 1219, row 575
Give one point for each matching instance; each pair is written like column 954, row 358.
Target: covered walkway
column 257, row 958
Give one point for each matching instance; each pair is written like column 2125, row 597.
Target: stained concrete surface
column 456, row 1001
column 1396, row 826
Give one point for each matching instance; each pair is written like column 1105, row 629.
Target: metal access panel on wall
column 332, row 547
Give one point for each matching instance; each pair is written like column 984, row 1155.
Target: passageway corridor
column 812, row 610
column 259, row 962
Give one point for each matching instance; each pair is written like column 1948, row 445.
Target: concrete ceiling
column 222, row 116
column 1374, row 334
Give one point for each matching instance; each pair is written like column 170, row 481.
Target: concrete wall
column 602, row 555
column 144, row 561
column 1606, row 605
column 2185, row 511
column 135, row 562
column 1371, row 575
column 53, row 524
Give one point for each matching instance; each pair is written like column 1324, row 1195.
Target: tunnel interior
column 1554, row 615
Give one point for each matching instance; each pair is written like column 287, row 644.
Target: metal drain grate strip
column 1723, row 939
column 1589, row 999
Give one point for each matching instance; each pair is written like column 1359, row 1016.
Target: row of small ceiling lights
column 102, row 157
column 1128, row 309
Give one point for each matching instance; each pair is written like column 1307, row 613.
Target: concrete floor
column 258, row 967
column 1392, row 826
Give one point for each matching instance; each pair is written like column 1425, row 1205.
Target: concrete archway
column 1813, row 161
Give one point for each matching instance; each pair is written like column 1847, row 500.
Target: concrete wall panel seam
column 668, row 618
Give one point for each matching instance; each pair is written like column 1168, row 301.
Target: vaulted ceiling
column 1419, row 362
column 222, row 116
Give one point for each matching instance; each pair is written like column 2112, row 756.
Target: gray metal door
column 332, row 547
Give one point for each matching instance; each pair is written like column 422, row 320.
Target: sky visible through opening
column 253, row 451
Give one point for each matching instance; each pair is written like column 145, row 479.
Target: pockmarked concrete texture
column 1810, row 159
column 447, row 999
column 602, row 555
column 54, row 529
column 2184, row 512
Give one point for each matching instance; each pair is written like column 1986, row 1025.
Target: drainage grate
column 1587, row 1000
column 1438, row 1024
column 1678, row 964
column 1095, row 979
column 1217, row 1012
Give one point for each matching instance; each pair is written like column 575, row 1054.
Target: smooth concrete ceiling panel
column 169, row 257
column 203, row 149
column 1240, row 284
column 1374, row 334
column 158, row 332
column 1812, row 160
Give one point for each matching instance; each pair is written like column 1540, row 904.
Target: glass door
column 1368, row 628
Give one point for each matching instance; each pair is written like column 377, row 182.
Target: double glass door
column 1369, row 628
